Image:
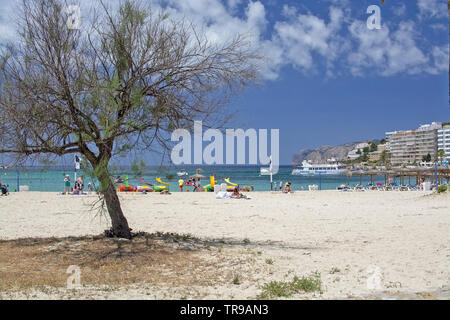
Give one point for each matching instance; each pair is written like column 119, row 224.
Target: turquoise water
column 52, row 179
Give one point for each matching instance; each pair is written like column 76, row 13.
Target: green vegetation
column 364, row 153
column 269, row 261
column 385, row 157
column 175, row 237
column 138, row 168
column 283, row 289
column 441, row 154
column 170, row 176
column 442, row 188
column 373, row 147
column 427, row 158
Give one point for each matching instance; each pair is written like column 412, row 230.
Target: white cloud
column 7, row 17
column 232, row 4
column 303, row 36
column 432, row 8
column 440, row 60
column 333, row 43
column 386, row 52
column 399, row 10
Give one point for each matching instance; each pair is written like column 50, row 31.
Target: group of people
column 78, row 185
column 287, row 187
column 195, row 183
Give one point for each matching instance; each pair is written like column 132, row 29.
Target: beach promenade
column 400, row 240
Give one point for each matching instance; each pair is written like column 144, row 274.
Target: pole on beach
column 18, row 180
column 271, row 181
column 320, row 181
column 77, row 161
column 270, row 169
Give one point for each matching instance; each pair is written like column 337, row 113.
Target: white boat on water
column 182, row 173
column 264, row 171
column 332, row 167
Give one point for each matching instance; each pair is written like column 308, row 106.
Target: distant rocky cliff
column 325, row 152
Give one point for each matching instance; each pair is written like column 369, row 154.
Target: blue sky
column 328, row 79
column 359, row 83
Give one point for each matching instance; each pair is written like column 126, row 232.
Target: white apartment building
column 353, row 154
column 412, row 145
column 443, row 136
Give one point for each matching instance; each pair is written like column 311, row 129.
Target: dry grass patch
column 159, row 259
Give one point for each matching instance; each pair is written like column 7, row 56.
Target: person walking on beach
column 197, row 185
column 252, row 187
column 67, row 184
column 281, row 185
column 181, row 184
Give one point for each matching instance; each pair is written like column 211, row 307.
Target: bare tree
column 125, row 80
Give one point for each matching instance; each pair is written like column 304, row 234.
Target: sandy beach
column 349, row 238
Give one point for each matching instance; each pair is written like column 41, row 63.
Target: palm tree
column 441, row 154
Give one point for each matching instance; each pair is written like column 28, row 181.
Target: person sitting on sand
column 287, row 188
column 235, row 194
column 3, row 189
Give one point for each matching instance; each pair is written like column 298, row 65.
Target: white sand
column 404, row 234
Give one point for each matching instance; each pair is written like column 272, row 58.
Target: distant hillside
column 326, row 152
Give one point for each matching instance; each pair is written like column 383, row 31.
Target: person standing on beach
column 79, row 184
column 67, row 184
column 252, row 187
column 197, row 185
column 281, row 185
column 181, row 184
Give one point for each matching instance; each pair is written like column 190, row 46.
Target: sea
column 52, row 179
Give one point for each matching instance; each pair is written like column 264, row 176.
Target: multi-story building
column 376, row 155
column 412, row 146
column 443, row 136
column 357, row 150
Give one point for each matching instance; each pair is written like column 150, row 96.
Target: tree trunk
column 119, row 223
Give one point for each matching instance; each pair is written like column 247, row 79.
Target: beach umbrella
column 349, row 174
column 372, row 173
column 401, row 172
